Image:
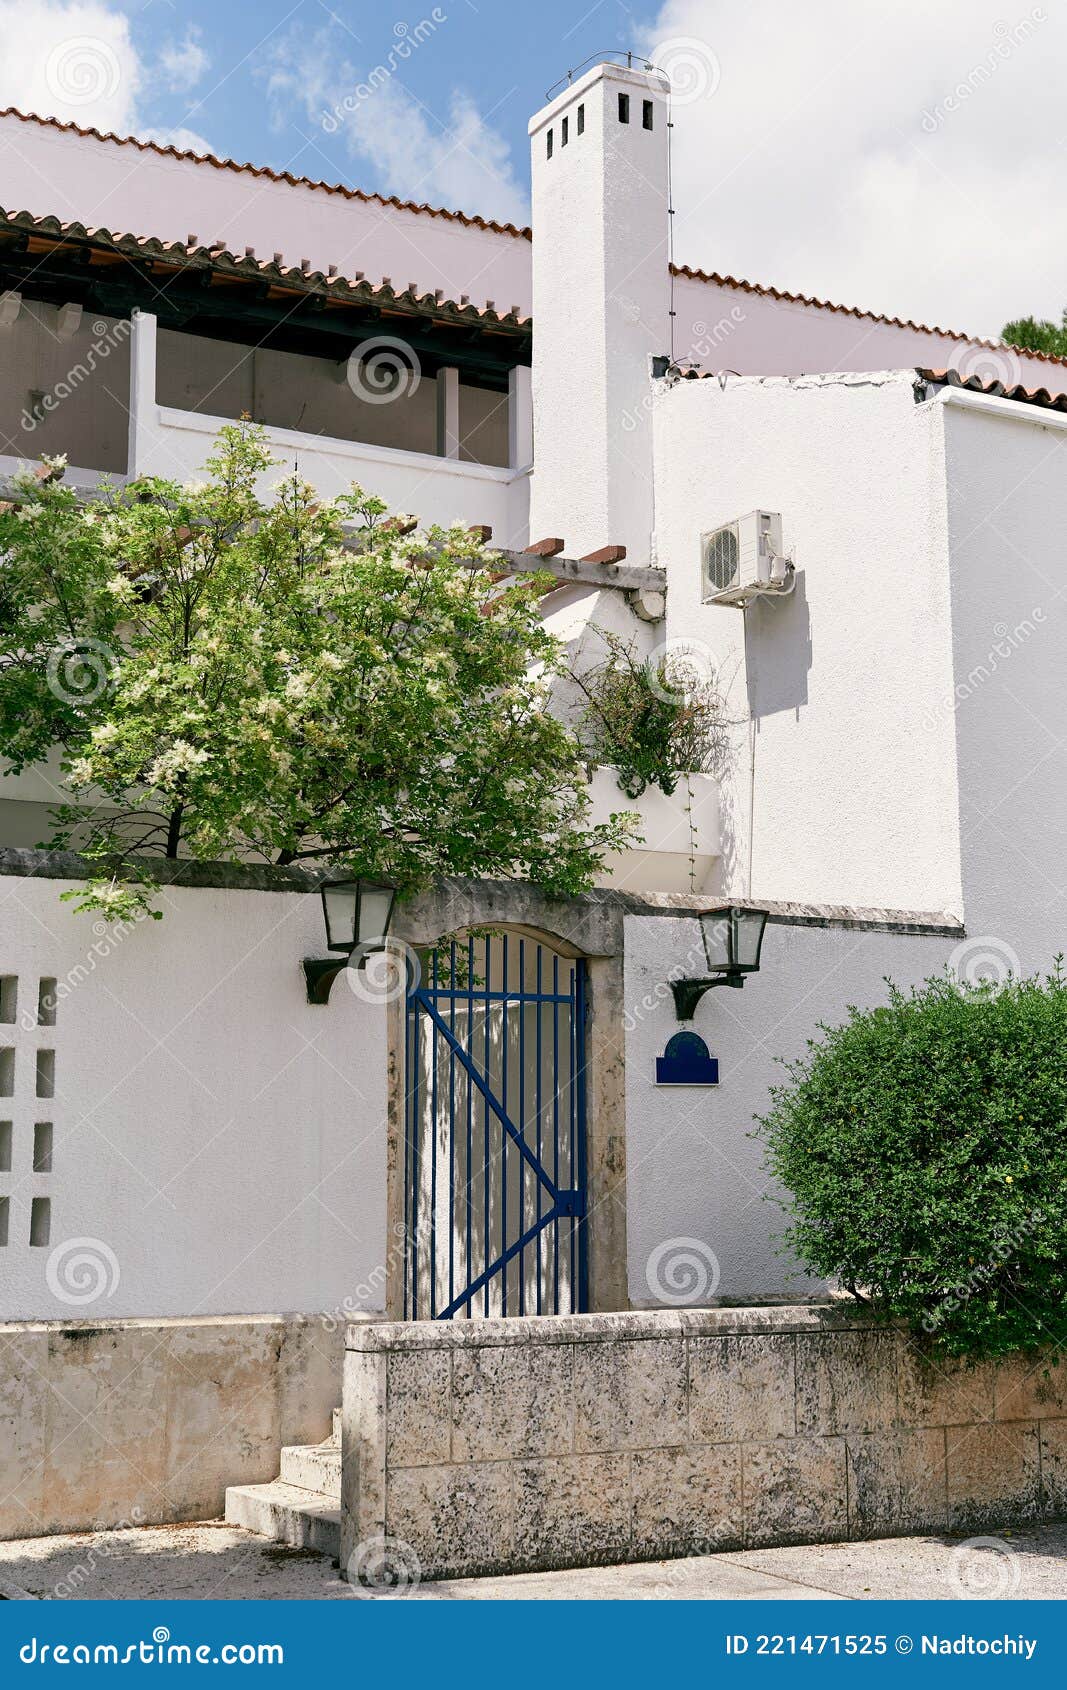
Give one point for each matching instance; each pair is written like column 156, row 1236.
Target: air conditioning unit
column 743, row 560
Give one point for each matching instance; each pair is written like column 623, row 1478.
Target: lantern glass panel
column 715, row 927
column 340, row 901
column 375, row 912
column 748, row 937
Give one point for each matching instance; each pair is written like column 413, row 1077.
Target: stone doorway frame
column 590, row 927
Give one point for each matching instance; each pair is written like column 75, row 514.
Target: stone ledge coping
column 87, row 1328
column 265, row 877
column 393, row 1335
column 168, row 871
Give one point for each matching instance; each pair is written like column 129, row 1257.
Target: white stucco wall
column 102, row 183
column 223, row 1139
column 693, row 1172
column 1007, row 474
column 836, row 793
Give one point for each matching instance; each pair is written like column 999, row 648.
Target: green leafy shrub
column 925, row 1147
column 653, row 721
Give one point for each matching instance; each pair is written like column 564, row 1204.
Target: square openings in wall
column 564, row 131
column 46, row 1073
column 42, row 1147
column 5, row 1219
column 7, row 1139
column 9, row 998
column 46, row 1003
column 624, row 108
column 581, row 120
column 7, row 1072
column 40, row 1222
column 548, row 145
column 646, row 114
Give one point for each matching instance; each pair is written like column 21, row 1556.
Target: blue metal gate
column 494, row 1151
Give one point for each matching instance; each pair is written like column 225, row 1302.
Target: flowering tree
column 298, row 680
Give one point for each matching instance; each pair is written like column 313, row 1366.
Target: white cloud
column 183, row 63
column 75, row 60
column 902, row 156
column 459, row 160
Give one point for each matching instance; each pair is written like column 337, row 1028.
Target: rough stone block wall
column 143, row 1422
column 559, row 1441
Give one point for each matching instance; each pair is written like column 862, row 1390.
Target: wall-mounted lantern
column 732, row 940
column 357, row 914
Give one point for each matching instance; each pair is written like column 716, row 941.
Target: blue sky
column 894, row 155
column 422, row 99
column 499, row 55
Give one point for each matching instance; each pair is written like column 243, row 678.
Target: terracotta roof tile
column 210, row 160
column 997, row 389
column 181, row 255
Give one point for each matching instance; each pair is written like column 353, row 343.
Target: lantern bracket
column 688, row 993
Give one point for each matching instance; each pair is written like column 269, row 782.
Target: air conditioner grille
column 721, row 559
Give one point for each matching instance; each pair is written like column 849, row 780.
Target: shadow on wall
column 778, row 652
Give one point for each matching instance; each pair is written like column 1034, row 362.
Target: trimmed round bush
column 924, row 1144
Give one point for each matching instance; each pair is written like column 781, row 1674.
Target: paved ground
column 214, row 1560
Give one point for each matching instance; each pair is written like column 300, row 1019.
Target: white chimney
column 600, row 307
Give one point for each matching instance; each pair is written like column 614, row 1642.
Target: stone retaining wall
column 489, row 1446
column 144, row 1422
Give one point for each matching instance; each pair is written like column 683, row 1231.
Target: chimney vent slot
column 624, row 108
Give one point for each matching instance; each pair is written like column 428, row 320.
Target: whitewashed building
column 202, row 1175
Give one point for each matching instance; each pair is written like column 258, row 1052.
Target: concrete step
column 313, row 1467
column 287, row 1514
column 335, row 1435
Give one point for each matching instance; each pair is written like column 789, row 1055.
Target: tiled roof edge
column 994, row 389
column 221, row 258
column 780, row 294
column 210, row 159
